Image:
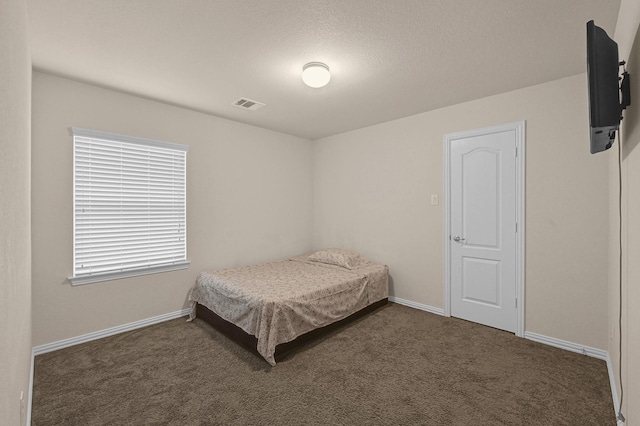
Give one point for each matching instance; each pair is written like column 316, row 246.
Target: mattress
column 279, row 301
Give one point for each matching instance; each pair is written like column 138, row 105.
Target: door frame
column 519, row 128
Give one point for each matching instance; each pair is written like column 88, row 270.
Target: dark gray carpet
column 397, row 366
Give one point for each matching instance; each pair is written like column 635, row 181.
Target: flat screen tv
column 605, row 104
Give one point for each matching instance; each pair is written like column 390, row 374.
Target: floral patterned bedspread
column 279, row 301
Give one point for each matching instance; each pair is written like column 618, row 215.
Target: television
column 608, row 92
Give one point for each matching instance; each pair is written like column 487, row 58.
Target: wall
column 248, row 200
column 15, row 238
column 628, row 38
column 372, row 191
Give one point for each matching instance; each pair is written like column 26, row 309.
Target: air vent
column 245, row 103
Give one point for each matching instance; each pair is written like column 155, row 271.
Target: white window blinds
column 129, row 206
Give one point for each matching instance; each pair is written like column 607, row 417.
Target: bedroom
column 296, row 183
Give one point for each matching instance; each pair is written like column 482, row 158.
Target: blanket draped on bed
column 279, row 301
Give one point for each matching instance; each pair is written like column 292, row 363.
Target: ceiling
column 388, row 58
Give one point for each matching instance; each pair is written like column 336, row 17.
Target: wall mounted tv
column 608, row 92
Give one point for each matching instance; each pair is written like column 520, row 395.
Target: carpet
column 396, row 366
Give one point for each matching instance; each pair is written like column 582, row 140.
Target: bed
column 272, row 308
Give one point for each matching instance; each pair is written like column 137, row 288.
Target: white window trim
column 86, row 278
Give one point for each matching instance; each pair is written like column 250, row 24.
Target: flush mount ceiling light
column 315, row 74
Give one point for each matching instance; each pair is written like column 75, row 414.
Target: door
column 483, row 210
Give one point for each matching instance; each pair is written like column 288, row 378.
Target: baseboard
column 569, row 346
column 614, row 389
column 585, row 350
column 61, row 344
column 30, row 395
column 437, row 311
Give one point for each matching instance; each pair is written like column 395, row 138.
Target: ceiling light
column 315, row 74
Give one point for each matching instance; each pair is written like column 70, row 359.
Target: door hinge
column 516, row 303
column 516, row 227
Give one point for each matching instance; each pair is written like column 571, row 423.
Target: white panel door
column 482, row 226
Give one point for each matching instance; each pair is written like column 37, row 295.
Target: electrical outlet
column 434, row 200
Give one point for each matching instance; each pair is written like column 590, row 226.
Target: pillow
column 339, row 257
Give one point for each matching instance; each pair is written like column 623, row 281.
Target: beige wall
column 248, row 200
column 628, row 37
column 15, row 239
column 372, row 192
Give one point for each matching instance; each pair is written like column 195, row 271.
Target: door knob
column 457, row 239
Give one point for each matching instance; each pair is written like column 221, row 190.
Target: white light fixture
column 315, row 74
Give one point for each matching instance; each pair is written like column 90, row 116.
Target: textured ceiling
column 388, row 58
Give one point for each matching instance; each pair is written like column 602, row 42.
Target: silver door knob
column 457, row 239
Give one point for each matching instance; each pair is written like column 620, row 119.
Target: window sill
column 88, row 279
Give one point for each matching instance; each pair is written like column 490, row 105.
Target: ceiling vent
column 245, row 103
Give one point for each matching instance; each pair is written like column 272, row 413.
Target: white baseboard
column 60, row 344
column 585, row 350
column 569, row 346
column 30, row 396
column 437, row 311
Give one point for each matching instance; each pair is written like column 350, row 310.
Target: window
column 129, row 212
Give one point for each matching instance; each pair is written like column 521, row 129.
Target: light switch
column 434, row 199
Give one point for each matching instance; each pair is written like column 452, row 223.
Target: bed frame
column 250, row 342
